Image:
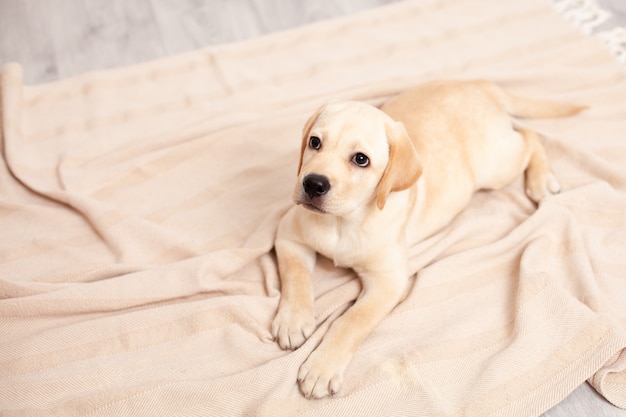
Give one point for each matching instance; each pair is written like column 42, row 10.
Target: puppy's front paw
column 321, row 374
column 292, row 325
column 541, row 185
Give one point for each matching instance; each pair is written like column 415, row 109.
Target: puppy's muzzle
column 315, row 185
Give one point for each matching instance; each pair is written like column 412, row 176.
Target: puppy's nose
column 315, row 185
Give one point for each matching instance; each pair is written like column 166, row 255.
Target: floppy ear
column 305, row 134
column 403, row 168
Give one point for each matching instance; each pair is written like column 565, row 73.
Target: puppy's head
column 353, row 155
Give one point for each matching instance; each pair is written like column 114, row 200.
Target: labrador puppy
column 372, row 180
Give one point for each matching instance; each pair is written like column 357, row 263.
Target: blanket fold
column 138, row 209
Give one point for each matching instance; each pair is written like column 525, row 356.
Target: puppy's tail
column 533, row 108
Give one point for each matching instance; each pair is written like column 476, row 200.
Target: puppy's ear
column 306, row 132
column 403, row 168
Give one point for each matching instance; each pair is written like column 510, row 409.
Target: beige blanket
column 138, row 209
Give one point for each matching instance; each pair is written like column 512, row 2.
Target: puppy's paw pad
column 541, row 186
column 292, row 327
column 320, row 377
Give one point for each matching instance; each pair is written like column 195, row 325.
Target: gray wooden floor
column 61, row 38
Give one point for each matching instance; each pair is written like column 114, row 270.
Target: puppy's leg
column 322, row 373
column 540, row 179
column 294, row 321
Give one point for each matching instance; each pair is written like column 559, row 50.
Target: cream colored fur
column 428, row 150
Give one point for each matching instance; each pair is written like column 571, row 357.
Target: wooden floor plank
column 25, row 38
column 112, row 33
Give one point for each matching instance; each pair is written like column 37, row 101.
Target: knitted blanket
column 138, row 208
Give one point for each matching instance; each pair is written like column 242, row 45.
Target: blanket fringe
column 615, row 39
column 589, row 16
column 586, row 14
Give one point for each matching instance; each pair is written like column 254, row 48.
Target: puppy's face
column 349, row 150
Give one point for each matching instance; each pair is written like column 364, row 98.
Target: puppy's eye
column 315, row 142
column 361, row 159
